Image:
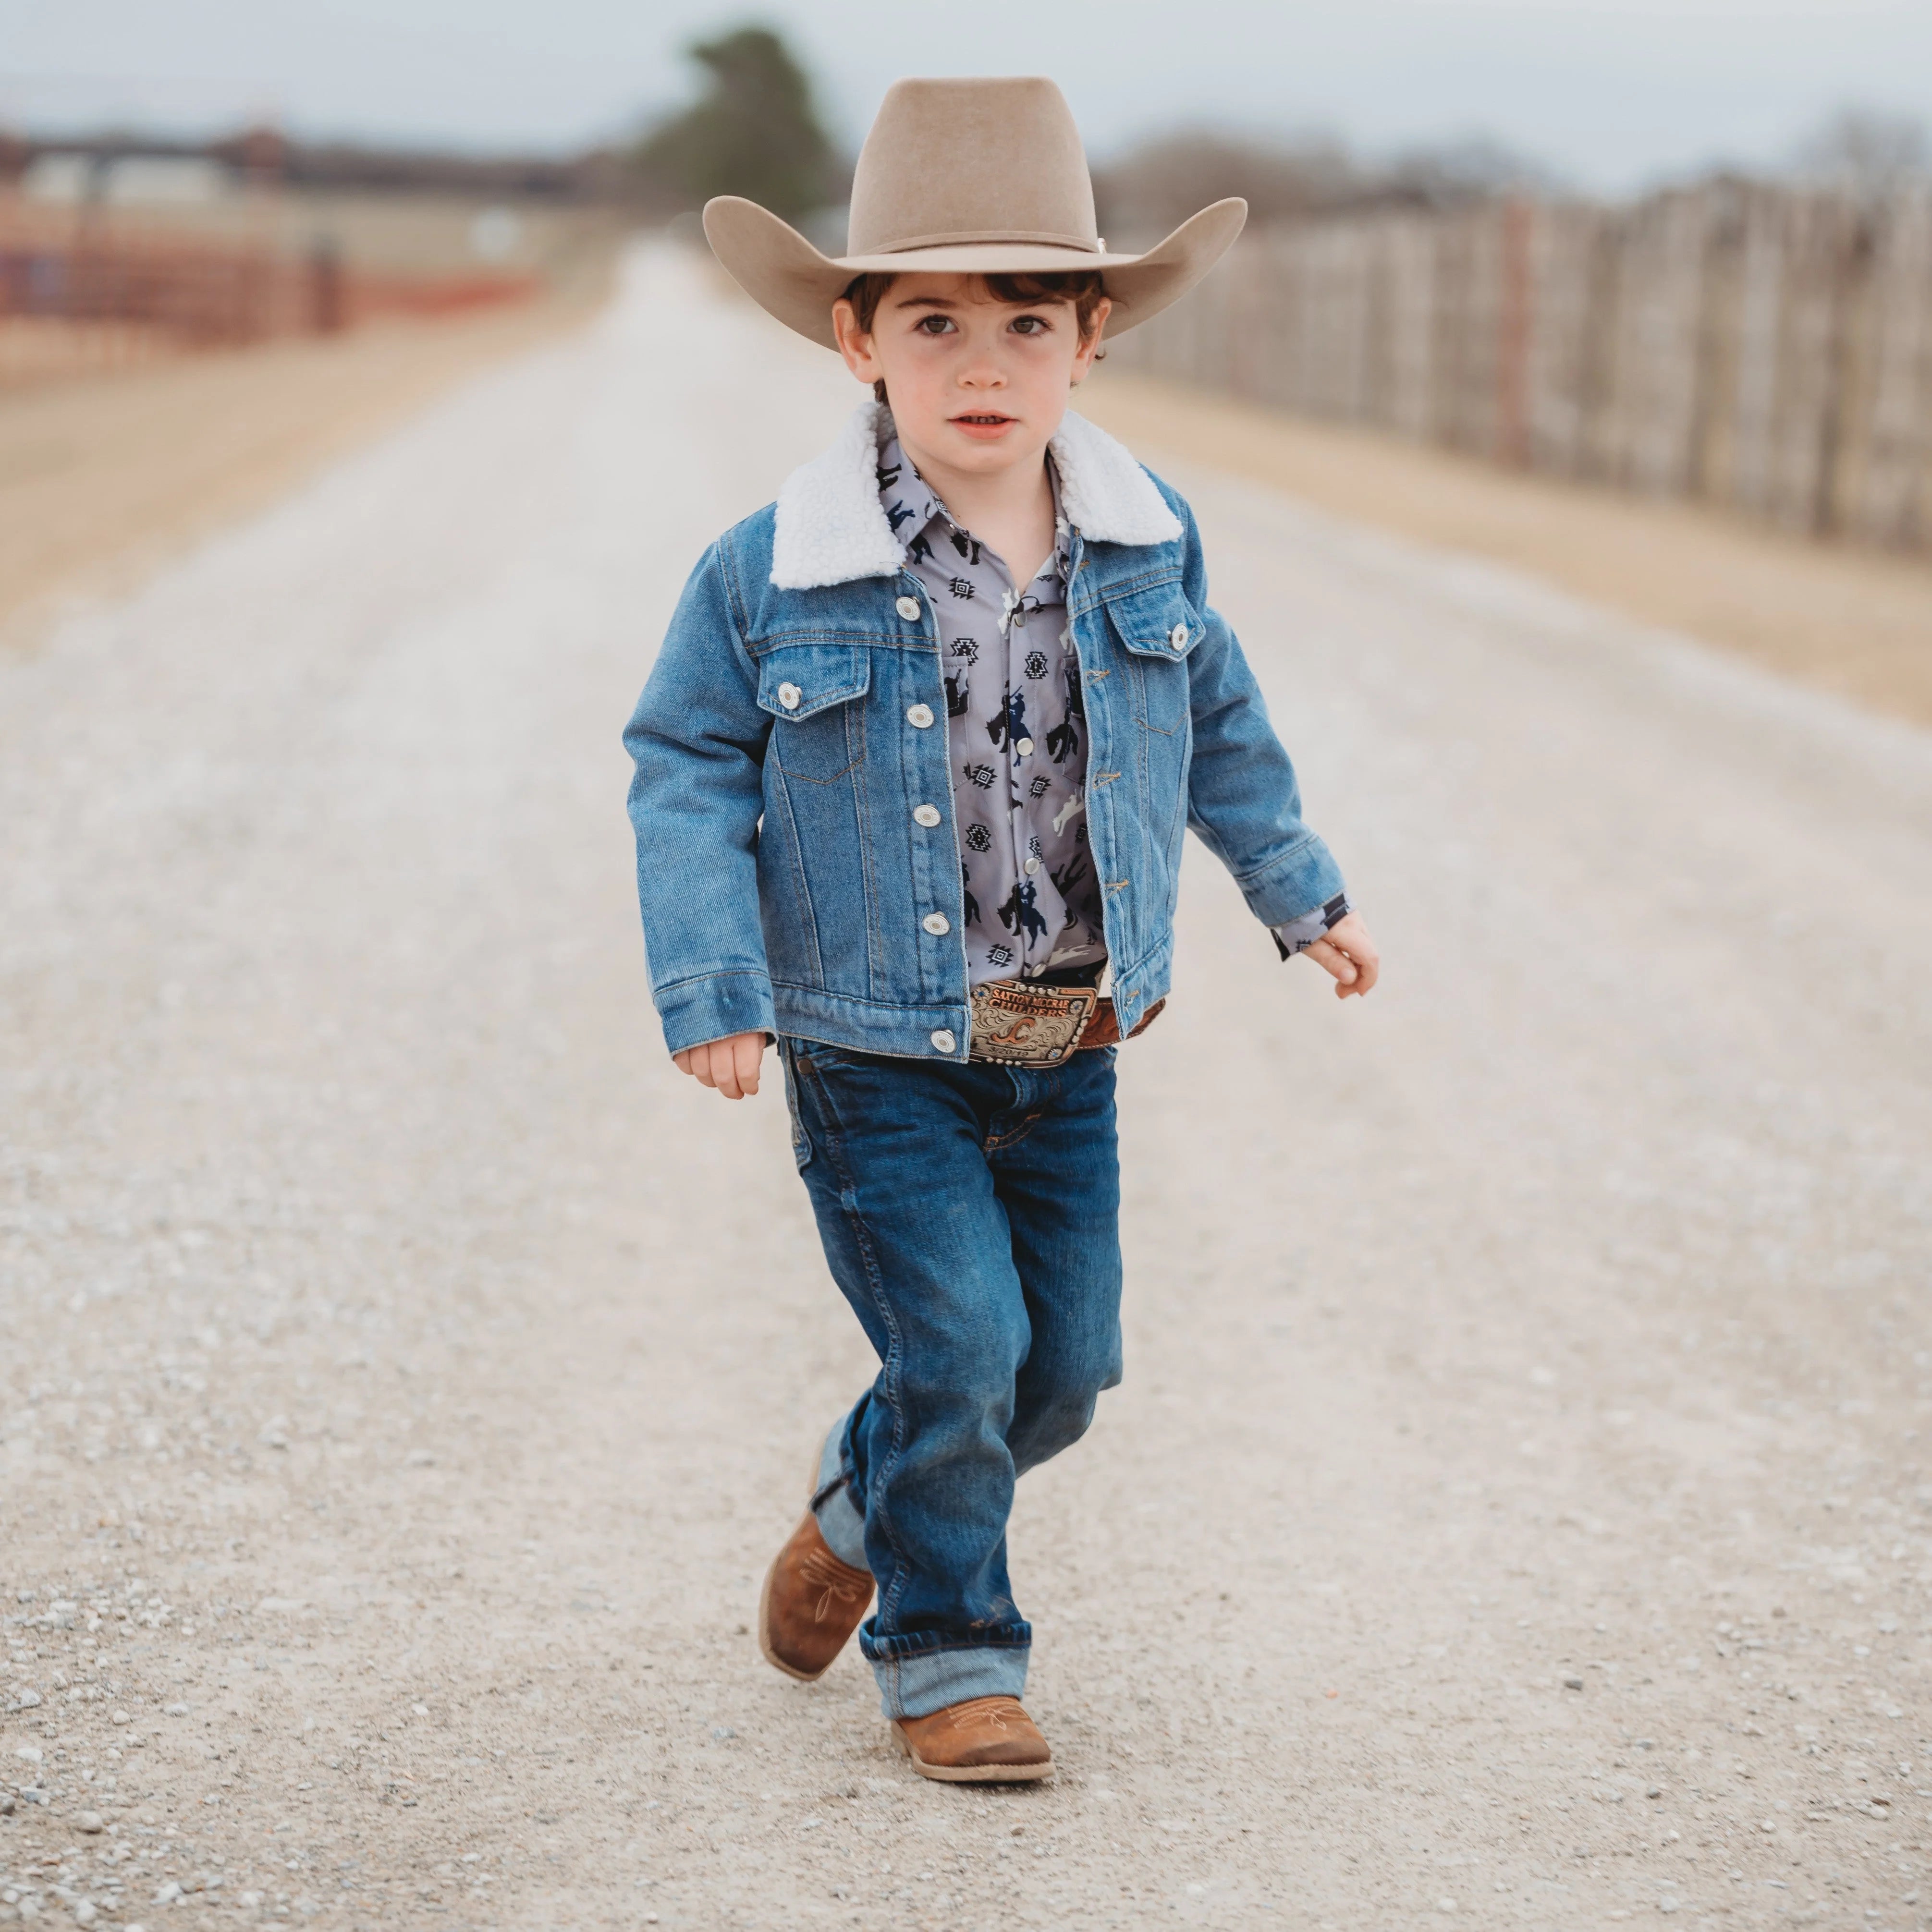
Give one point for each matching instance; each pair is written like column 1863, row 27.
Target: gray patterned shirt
column 1016, row 730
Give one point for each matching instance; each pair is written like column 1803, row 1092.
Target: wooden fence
column 1749, row 345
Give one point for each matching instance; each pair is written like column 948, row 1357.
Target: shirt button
column 789, row 695
column 943, row 1041
column 1033, row 864
column 1178, row 637
column 908, row 608
column 919, row 716
column 925, row 814
column 1024, row 746
column 937, row 924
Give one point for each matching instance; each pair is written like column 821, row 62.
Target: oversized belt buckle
column 1020, row 1025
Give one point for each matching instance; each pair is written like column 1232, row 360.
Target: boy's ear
column 854, row 344
column 1090, row 351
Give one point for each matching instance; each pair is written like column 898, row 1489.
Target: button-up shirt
column 1015, row 730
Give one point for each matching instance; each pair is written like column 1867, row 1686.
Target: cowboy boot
column 983, row 1741
column 811, row 1604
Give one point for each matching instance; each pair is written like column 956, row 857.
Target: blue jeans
column 970, row 1213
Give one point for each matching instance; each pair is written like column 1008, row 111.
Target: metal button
column 1033, row 864
column 789, row 695
column 919, row 716
column 925, row 814
column 937, row 924
column 908, row 608
column 943, row 1041
column 1178, row 637
column 1024, row 746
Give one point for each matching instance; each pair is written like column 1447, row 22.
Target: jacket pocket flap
column 797, row 681
column 1156, row 623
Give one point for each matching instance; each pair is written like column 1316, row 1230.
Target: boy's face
column 976, row 385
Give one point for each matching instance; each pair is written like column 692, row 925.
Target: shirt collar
column 911, row 505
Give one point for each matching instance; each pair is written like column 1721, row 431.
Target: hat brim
column 789, row 278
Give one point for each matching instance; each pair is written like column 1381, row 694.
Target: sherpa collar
column 832, row 528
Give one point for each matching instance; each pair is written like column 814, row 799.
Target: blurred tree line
column 755, row 130
column 1152, row 187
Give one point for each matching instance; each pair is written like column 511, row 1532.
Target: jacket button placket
column 922, row 717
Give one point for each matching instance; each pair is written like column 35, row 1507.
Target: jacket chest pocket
column 813, row 693
column 1158, row 628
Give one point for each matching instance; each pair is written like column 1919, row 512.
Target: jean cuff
column 839, row 1522
column 929, row 1680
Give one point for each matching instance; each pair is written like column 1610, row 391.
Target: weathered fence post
column 1760, row 347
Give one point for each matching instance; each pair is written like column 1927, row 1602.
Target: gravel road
column 1516, row 1513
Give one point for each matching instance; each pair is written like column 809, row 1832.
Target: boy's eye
column 1030, row 325
column 933, row 325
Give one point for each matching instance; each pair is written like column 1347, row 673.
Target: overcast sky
column 1612, row 95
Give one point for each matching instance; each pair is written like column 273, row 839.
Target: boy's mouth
column 983, row 422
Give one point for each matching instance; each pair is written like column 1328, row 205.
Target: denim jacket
column 794, row 725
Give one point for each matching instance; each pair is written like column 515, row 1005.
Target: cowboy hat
column 981, row 177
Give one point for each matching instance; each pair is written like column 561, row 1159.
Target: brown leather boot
column 811, row 1605
column 984, row 1740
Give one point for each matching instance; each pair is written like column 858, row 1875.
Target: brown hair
column 1082, row 287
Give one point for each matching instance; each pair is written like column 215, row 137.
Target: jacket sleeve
column 698, row 739
column 1243, row 801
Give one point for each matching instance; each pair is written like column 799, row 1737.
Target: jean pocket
column 816, row 1055
column 801, row 1140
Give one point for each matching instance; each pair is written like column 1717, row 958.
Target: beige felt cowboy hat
column 964, row 177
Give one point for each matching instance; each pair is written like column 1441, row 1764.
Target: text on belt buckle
column 1029, row 1026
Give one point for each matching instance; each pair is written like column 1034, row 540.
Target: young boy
column 913, row 770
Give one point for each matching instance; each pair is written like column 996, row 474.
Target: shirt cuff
column 1297, row 935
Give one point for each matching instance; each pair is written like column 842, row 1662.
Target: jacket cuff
column 1302, row 880
column 715, row 1007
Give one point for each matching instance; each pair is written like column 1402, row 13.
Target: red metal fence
column 77, row 292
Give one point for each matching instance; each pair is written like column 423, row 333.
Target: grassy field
column 103, row 476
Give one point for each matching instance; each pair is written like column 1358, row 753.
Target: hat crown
column 967, row 160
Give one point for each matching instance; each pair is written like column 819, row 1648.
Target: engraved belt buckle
column 1020, row 1025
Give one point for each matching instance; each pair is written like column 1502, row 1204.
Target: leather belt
column 1104, row 1028
column 1022, row 1023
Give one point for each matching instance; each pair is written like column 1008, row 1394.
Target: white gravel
column 404, row 1375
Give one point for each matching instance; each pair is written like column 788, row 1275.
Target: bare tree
column 1473, row 170
column 1146, row 191
column 1867, row 152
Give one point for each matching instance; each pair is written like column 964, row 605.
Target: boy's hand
column 730, row 1065
column 1347, row 953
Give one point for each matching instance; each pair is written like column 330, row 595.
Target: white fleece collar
column 832, row 528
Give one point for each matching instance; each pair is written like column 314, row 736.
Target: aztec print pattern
column 1297, row 935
